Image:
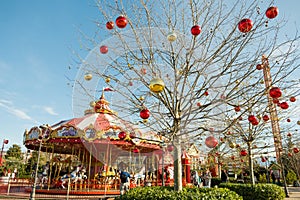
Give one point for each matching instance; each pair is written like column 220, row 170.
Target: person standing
column 207, row 178
column 224, row 176
column 125, row 182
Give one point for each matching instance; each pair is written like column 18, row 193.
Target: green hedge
column 168, row 193
column 257, row 191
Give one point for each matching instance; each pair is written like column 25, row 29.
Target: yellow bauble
column 107, row 80
column 172, row 37
column 88, row 77
column 231, row 145
column 156, row 85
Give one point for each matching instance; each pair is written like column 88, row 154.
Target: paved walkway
column 294, row 193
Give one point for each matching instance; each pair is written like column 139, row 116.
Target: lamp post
column 43, row 134
column 4, row 142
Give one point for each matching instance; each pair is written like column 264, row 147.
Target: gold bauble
column 172, row 37
column 92, row 104
column 231, row 145
column 88, row 77
column 156, row 85
column 107, row 80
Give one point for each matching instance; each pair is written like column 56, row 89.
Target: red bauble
column 135, row 150
column 263, row 159
column 259, row 66
column 103, row 49
column 237, row 109
column 206, row 93
column 252, row 118
column 266, row 118
column 211, row 142
column 122, row 135
column 232, row 157
column 170, row 148
column 255, row 122
column 288, row 120
column 284, row 105
column 289, row 135
column 243, row 152
column 110, row 25
column 296, row 150
column 245, row 25
column 145, row 114
column 121, row 22
column 292, row 99
column 196, row 30
column 272, row 12
column 275, row 92
column 290, row 154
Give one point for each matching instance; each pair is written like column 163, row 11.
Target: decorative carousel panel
column 67, row 132
column 34, row 133
column 90, row 133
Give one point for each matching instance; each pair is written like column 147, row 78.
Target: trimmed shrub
column 215, row 181
column 258, row 191
column 168, row 193
column 291, row 177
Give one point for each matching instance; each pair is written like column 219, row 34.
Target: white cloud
column 50, row 110
column 8, row 106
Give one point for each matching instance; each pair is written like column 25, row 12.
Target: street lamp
column 44, row 133
column 4, row 142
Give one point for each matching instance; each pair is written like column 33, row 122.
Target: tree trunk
column 251, row 164
column 177, row 165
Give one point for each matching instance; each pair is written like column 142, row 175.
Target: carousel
column 86, row 154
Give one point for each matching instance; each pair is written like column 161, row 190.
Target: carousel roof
column 98, row 126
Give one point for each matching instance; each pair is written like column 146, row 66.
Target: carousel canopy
column 97, row 128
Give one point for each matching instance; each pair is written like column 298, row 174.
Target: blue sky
column 37, row 38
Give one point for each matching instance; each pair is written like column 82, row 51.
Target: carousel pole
column 32, row 194
column 90, row 162
column 50, row 165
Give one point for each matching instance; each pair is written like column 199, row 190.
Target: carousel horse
column 140, row 175
column 77, row 175
column 42, row 178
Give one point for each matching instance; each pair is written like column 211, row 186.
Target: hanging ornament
column 143, row 71
column 232, row 145
column 263, row 159
column 196, row 30
column 266, row 118
column 292, row 99
column 110, row 25
column 122, row 135
column 107, row 80
column 198, row 104
column 172, row 37
column 145, row 114
column 288, row 120
column 245, row 25
column 290, row 154
column 130, row 83
column 272, row 12
column 232, row 157
column 205, row 93
column 135, row 150
column 237, row 108
column 103, row 49
column 289, row 135
column 275, row 92
column 211, row 142
column 170, row 148
column 298, row 122
column 296, row 150
column 251, row 118
column 156, row 85
column 284, row 105
column 259, row 66
column 88, row 76
column 121, row 21
column 243, row 152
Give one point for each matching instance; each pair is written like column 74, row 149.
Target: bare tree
column 204, row 74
